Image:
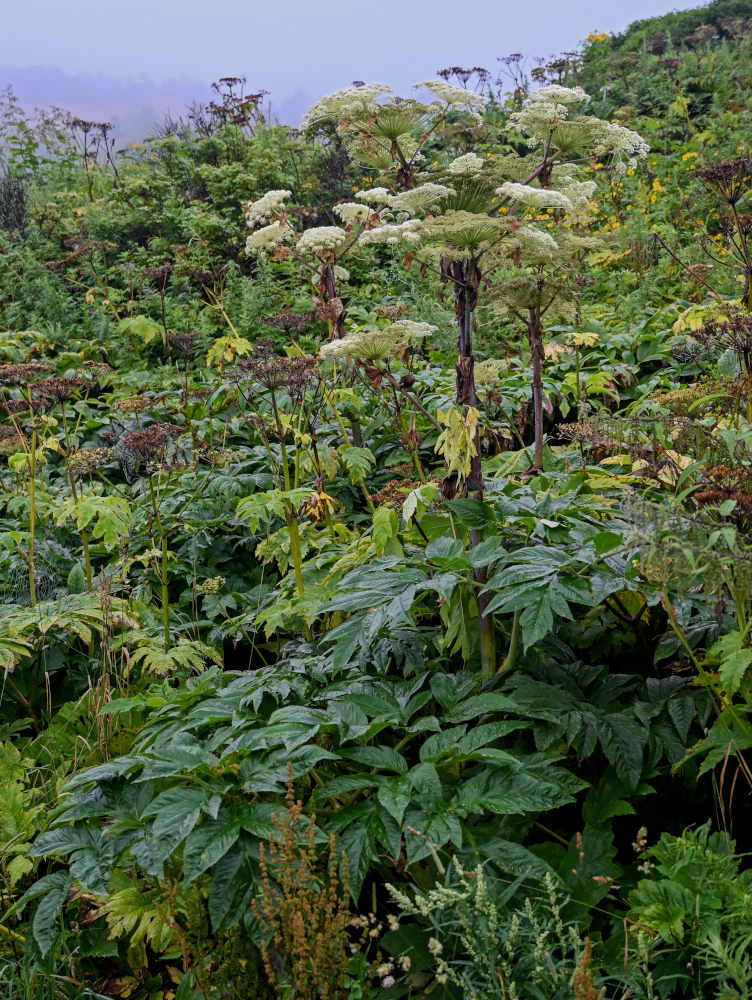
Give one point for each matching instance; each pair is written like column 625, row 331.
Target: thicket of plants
column 375, row 537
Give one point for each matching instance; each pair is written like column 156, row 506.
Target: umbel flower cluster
column 370, row 344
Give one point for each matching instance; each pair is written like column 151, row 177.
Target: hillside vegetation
column 375, row 537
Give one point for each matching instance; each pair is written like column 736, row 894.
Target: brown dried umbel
column 86, row 460
column 734, row 333
column 157, row 275
column 134, row 404
column 38, row 404
column 151, row 444
column 97, row 371
column 185, row 342
column 453, row 487
column 59, row 389
column 729, row 180
column 291, row 374
column 730, row 226
column 22, row 374
column 288, row 321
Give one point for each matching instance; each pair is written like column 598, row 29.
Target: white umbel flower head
column 536, row 246
column 626, row 146
column 534, row 197
column 270, row 203
column 263, row 239
column 374, row 196
column 578, row 192
column 468, row 165
column 394, row 234
column 351, row 211
column 343, row 105
column 321, row 239
column 371, row 344
column 340, row 273
column 421, row 198
column 456, row 97
column 556, row 94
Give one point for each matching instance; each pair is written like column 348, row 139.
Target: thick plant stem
column 290, row 515
column 165, row 595
column 466, row 276
column 297, row 561
column 162, row 568
column 32, row 518
column 74, row 493
column 536, row 351
column 514, row 644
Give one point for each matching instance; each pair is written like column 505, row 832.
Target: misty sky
column 296, row 49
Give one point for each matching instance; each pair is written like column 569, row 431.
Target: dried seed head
column 185, row 342
column 22, row 374
column 292, row 374
column 149, row 445
column 38, row 404
column 729, row 180
column 133, row 404
column 59, row 389
column 157, row 275
column 287, row 320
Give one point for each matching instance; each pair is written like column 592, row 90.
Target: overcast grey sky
column 296, row 49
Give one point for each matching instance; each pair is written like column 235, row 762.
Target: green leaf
column 223, row 886
column 732, row 659
column 358, row 844
column 207, row 844
column 381, row 758
column 474, row 513
column 394, row 795
column 140, row 326
column 385, row 528
column 76, row 583
column 49, row 908
column 358, row 461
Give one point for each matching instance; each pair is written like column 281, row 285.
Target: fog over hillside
column 133, row 105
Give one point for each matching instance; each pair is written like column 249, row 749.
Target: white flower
column 456, row 96
column 420, row 198
column 260, row 240
column 410, row 329
column 620, row 142
column 537, row 247
column 393, row 234
column 345, row 104
column 350, row 211
column 556, row 94
column 321, row 239
column 369, row 344
column 534, row 196
column 578, row 192
column 268, row 204
column 341, row 273
column 488, row 370
column 374, row 196
column 470, row 163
